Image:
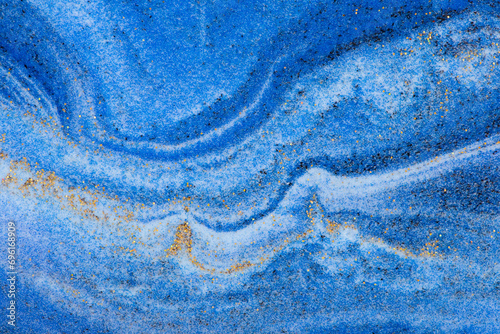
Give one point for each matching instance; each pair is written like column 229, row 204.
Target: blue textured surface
column 257, row 167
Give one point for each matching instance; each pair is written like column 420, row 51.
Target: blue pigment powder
column 252, row 166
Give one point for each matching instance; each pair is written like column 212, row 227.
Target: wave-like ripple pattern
column 258, row 167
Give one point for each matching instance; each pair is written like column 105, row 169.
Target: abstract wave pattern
column 255, row 167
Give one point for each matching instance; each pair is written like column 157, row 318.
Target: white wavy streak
column 259, row 241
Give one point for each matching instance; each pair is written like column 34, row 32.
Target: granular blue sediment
column 296, row 167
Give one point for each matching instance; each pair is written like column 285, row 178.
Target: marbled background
column 252, row 166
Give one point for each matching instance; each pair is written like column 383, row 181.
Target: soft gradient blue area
column 348, row 151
